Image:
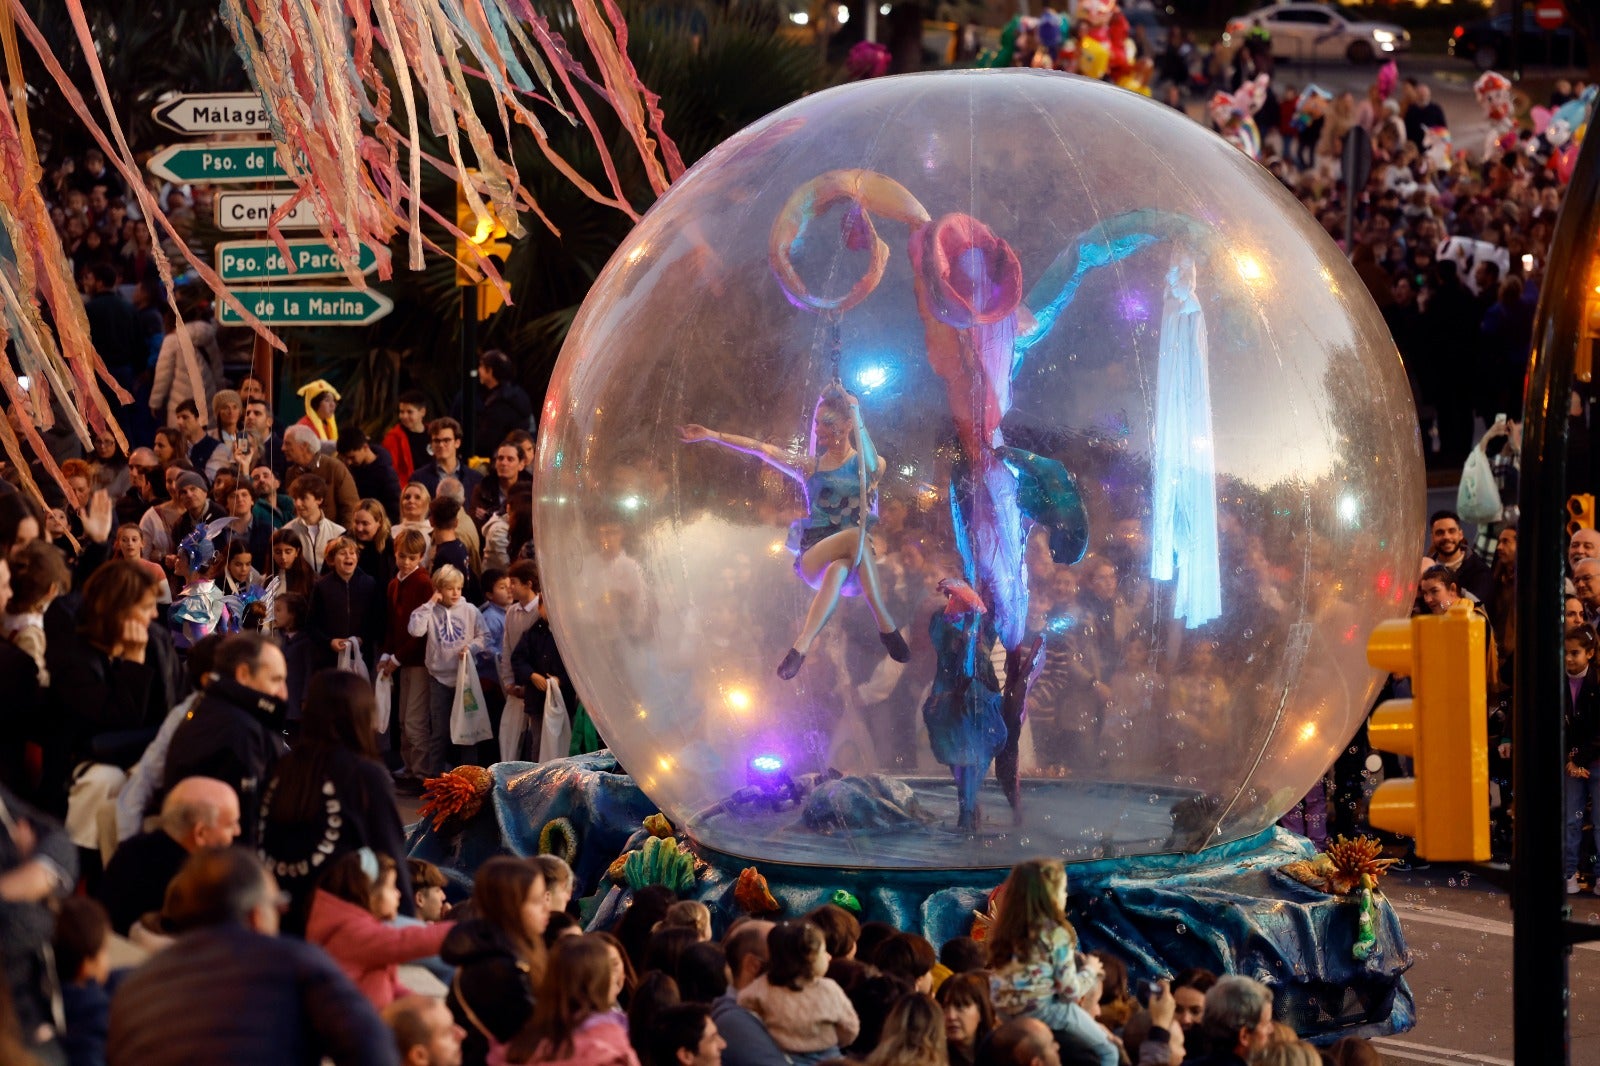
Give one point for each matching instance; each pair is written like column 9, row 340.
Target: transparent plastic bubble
column 667, row 566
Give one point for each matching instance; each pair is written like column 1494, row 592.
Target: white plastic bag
column 350, row 659
column 513, row 722
column 469, row 718
column 383, row 692
column 1478, row 497
column 555, row 738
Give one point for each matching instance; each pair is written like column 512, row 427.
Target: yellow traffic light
column 486, row 237
column 1444, row 808
column 1580, row 512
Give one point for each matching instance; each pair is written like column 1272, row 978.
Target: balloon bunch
column 1559, row 132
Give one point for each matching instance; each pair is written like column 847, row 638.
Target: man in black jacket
column 372, row 469
column 503, row 405
column 231, row 991
column 232, row 734
column 1451, row 551
column 198, row 813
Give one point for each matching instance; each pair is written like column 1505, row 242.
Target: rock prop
column 862, row 804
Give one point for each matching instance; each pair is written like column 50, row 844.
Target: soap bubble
column 1253, row 499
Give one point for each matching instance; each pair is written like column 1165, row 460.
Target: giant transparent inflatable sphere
column 1149, row 475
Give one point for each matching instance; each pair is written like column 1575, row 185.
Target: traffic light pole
column 1544, row 931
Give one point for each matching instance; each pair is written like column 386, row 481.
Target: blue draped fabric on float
column 1227, row 908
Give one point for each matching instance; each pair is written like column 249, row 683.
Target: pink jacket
column 367, row 949
column 602, row 1040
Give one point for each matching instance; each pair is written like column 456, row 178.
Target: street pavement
column 1458, row 927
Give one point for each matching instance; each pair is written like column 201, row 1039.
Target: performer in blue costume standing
column 832, row 543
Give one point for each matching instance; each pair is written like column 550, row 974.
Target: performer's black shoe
column 896, row 645
column 791, row 664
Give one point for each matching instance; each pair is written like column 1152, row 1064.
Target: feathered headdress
column 197, row 548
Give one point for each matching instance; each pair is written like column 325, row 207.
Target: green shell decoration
column 560, row 839
column 659, row 862
column 846, row 900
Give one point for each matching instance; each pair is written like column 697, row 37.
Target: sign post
column 217, row 164
column 249, row 212
column 1550, row 14
column 308, row 306
column 247, row 262
column 205, row 114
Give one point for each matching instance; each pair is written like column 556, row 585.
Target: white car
column 1302, row 33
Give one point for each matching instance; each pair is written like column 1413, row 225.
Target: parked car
column 1487, row 43
column 1306, row 32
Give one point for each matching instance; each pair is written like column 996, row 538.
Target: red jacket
column 404, row 597
column 366, row 948
column 398, row 445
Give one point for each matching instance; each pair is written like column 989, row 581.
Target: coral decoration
column 1346, row 868
column 658, row 862
column 983, row 921
column 560, row 839
column 658, row 826
column 751, row 893
column 456, row 794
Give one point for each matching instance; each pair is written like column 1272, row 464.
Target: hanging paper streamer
column 330, row 109
column 317, row 67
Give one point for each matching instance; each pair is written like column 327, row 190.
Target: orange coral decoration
column 658, row 826
column 458, row 793
column 1346, row 867
column 751, row 893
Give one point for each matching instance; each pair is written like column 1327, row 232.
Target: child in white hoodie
column 455, row 630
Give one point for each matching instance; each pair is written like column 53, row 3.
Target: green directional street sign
column 293, row 305
column 242, row 262
column 218, row 163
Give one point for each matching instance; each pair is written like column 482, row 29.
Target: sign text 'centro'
column 250, row 211
column 296, row 306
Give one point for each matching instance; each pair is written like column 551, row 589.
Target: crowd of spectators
column 508, row 975
column 193, row 740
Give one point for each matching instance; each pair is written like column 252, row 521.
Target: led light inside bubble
column 1228, row 715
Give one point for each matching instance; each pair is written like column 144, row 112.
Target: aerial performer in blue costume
column 832, row 543
column 978, row 327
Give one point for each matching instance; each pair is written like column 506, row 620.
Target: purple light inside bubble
column 766, row 764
